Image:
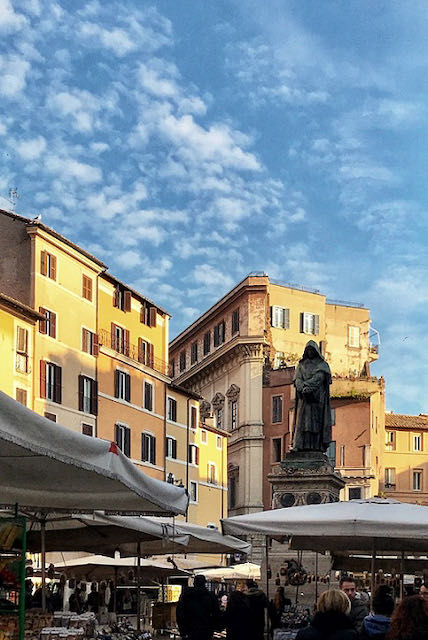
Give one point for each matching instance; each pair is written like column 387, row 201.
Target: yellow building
column 405, row 458
column 132, row 373
column 17, row 326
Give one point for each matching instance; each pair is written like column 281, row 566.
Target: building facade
column 223, row 354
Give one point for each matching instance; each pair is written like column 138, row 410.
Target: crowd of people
column 341, row 614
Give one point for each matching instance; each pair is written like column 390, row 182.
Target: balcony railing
column 132, row 351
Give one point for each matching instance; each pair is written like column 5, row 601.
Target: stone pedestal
column 304, row 477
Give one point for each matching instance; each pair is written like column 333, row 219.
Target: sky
column 187, row 143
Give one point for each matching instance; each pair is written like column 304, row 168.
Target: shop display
column 122, row 630
column 12, row 577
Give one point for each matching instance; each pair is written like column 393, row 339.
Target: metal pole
column 115, row 592
column 372, row 581
column 267, row 581
column 402, row 576
column 316, row 577
column 43, row 560
column 138, row 587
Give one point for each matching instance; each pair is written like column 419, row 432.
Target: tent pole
column 402, row 576
column 115, row 592
column 267, row 540
column 372, row 581
column 43, row 559
column 138, row 587
column 316, row 576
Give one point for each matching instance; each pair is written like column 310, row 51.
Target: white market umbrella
column 47, row 467
column 244, row 571
column 99, row 567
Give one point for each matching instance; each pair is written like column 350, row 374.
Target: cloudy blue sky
column 188, row 142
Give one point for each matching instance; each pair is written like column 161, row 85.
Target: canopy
column 374, row 524
column 45, row 466
column 388, row 564
column 101, row 567
column 244, row 571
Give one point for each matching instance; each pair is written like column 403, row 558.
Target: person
column 424, row 589
column 410, row 620
column 359, row 609
column 257, row 602
column 331, row 620
column 376, row 625
column 198, row 612
column 74, row 601
column 237, row 616
column 94, row 599
column 312, row 413
column 276, row 607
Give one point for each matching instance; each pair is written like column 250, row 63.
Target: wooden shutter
column 116, row 433
column 150, row 355
column 85, row 340
column 127, row 442
column 43, row 263
column 113, row 336
column 52, row 331
column 316, row 324
column 197, row 455
column 52, row 273
column 89, row 288
column 141, row 350
column 143, row 314
column 116, row 384
column 152, row 316
column 42, row 378
column 144, row 452
column 116, row 297
column 58, row 384
column 42, row 323
column 271, row 316
column 216, row 331
column 94, row 397
column 127, row 296
column 127, row 387
column 126, row 342
column 286, row 318
column 174, row 448
column 95, row 345
column 81, row 390
column 153, row 452
column 302, row 323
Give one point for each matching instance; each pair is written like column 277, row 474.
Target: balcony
column 133, row 352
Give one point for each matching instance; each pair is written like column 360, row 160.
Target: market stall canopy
column 388, row 564
column 244, row 571
column 45, row 466
column 358, row 525
column 105, row 534
column 101, row 567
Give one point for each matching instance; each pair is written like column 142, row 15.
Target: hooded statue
column 312, row 413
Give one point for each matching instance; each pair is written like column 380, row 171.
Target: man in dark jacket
column 198, row 612
column 376, row 625
column 257, row 604
column 359, row 610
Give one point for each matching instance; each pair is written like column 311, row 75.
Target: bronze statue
column 312, row 413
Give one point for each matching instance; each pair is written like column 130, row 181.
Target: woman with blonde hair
column 331, row 621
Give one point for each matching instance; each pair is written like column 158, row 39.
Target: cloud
column 10, row 21
column 31, row 149
column 210, row 276
column 13, row 75
column 70, row 169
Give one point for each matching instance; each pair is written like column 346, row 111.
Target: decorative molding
column 218, row 401
column 233, row 392
column 204, row 409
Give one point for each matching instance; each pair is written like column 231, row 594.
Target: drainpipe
column 187, row 452
column 165, row 403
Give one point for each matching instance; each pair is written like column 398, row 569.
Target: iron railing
column 132, row 351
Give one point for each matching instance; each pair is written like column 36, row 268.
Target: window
column 193, row 417
column 171, row 447
column 235, row 321
column 122, row 298
column 417, row 480
column 86, row 288
column 148, row 448
column 21, row 362
column 89, row 342
column 193, row 454
column 342, row 455
column 21, row 396
column 390, row 440
column 193, row 352
column 145, row 352
column 172, row 364
column 219, row 333
column 355, row 493
column 48, row 325
column 193, row 491
column 212, row 473
column 276, row 408
column 50, row 416
column 87, row 429
column 203, row 436
column 417, row 442
column 123, row 439
column 232, row 491
column 148, row 315
column 331, row 453
column 148, row 396
column 353, row 336
column 119, row 339
column 278, row 360
column 276, row 449
column 207, row 342
column 172, row 409
column 219, row 418
column 182, row 360
column 50, row 381
column 219, row 442
column 233, row 414
column 333, row 417
column 280, row 317
column 389, row 478
column 48, row 265
column 309, row 323
column 88, row 395
column 122, row 385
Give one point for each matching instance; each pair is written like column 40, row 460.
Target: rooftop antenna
column 13, row 196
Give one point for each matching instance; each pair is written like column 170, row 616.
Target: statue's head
column 311, row 353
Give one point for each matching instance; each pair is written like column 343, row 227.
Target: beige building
column 222, row 356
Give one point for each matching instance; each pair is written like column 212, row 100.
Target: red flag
column 113, row 448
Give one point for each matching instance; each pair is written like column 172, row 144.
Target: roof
column 109, row 276
column 39, row 225
column 20, row 307
column 184, row 391
column 400, row 420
